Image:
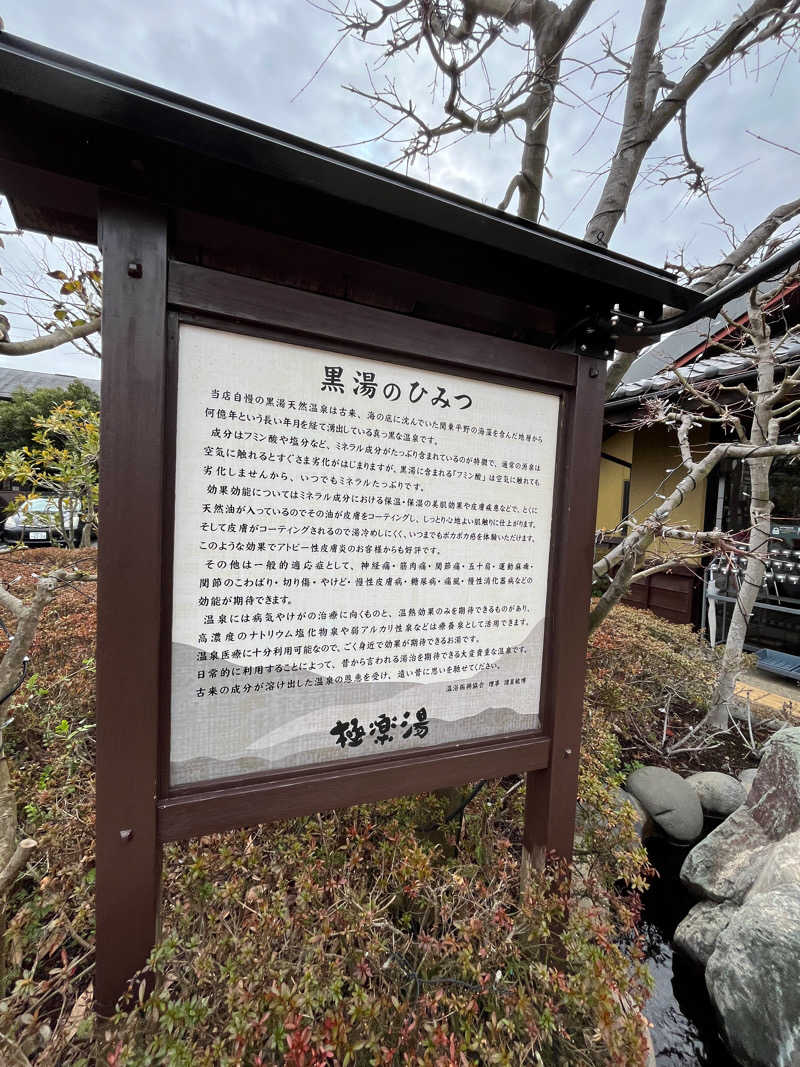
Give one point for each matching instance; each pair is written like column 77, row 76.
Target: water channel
column 685, row 1030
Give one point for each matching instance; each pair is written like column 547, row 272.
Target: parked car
column 37, row 522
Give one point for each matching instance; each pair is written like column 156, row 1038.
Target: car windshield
column 45, row 505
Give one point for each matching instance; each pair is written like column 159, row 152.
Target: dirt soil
column 728, row 752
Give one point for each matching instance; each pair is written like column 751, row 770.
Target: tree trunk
column 635, row 139
column 760, row 511
column 537, row 131
column 620, row 583
column 8, row 815
column 763, row 430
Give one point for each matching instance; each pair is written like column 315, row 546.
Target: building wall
column 651, row 452
column 611, row 489
column 655, row 450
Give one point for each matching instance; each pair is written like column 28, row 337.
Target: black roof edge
column 73, row 85
column 791, row 355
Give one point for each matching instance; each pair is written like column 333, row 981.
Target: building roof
column 666, row 352
column 70, row 130
column 699, row 349
column 11, row 380
column 733, row 365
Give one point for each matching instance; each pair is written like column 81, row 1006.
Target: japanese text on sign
column 360, row 560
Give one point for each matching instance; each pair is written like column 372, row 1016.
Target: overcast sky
column 253, row 57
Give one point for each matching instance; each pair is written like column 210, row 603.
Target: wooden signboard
column 351, row 435
column 367, row 543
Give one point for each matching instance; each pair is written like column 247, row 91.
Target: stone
column 782, row 866
column 643, row 824
column 720, row 794
column 697, row 933
column 774, row 799
column 672, row 804
column 753, row 978
column 746, row 777
column 724, row 865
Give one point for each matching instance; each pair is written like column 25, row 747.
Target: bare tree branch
column 775, row 144
column 46, row 341
column 18, row 859
column 10, row 602
column 712, row 278
column 741, row 255
column 645, row 120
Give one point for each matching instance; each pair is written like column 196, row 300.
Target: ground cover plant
column 384, row 934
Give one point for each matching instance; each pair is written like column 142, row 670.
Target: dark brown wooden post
column 550, row 794
column 133, row 237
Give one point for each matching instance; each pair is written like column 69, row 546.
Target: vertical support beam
column 550, row 796
column 133, row 237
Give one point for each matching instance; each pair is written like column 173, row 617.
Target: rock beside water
column 753, row 977
column 725, row 864
column 719, row 794
column 781, row 867
column 747, row 927
column 697, row 933
column 774, row 799
column 672, row 804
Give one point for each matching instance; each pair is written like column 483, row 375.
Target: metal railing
column 775, row 621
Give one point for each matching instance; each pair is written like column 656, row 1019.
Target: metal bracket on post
column 600, row 330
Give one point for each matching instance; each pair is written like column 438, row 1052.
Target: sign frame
column 147, row 296
column 194, row 809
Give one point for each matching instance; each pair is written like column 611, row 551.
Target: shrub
column 637, row 665
column 347, row 938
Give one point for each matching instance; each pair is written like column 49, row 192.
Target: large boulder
column 746, row 777
column 753, row 978
column 697, row 933
column 672, row 804
column 774, row 799
column 782, row 866
column 725, row 864
column 719, row 794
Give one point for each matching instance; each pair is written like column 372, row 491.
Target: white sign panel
column 361, row 556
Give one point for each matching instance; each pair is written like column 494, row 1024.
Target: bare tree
column 774, row 404
column 638, row 100
column 755, row 419
column 503, row 65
